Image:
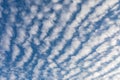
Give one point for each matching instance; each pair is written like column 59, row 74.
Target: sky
column 59, row 40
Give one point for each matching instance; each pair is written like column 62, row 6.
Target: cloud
column 37, row 69
column 27, row 55
column 21, row 35
column 16, row 52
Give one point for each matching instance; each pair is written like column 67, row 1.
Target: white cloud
column 113, row 75
column 70, row 30
column 3, row 78
column 27, row 18
column 93, row 41
column 39, row 15
column 71, row 73
column 12, row 76
column 109, row 21
column 79, row 76
column 116, row 77
column 57, row 7
column 6, row 38
column 65, row 17
column 112, row 64
column 114, row 52
column 103, row 47
column 46, row 9
column 54, row 34
column 101, row 10
column 113, row 29
column 21, row 35
column 69, row 33
column 33, row 8
column 86, row 7
column 87, row 63
column 57, row 48
column 47, row 24
column 70, row 50
column 36, row 71
column 52, row 65
column 71, row 66
column 22, row 75
column 5, row 42
column 73, row 7
column 36, row 41
column 30, row 66
column 62, row 58
column 54, row 53
column 86, row 50
column 55, row 1
column 12, row 18
column 26, row 57
column 34, row 29
column 15, row 52
column 44, row 47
